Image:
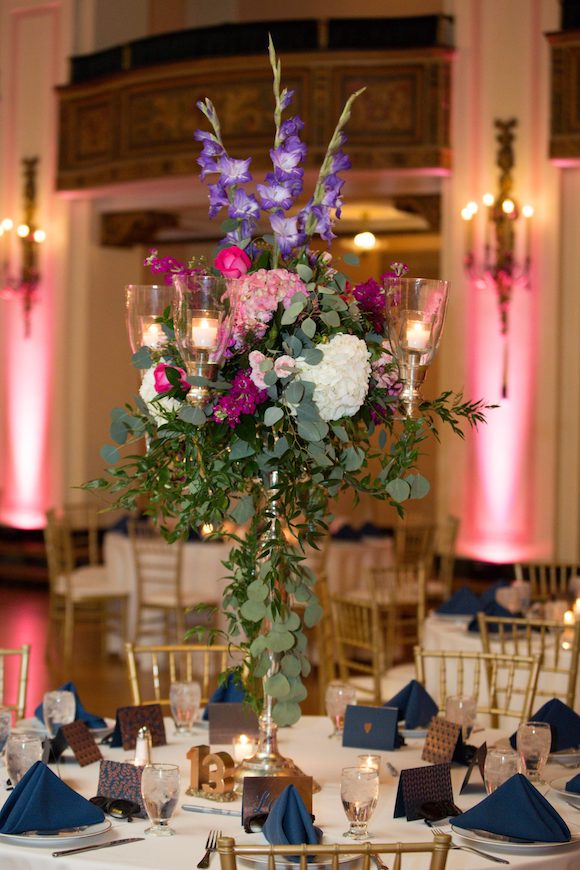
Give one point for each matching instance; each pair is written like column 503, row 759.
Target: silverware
column 97, row 846
column 391, row 768
column 191, row 808
column 495, row 858
column 210, row 846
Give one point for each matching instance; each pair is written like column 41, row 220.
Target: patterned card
column 420, row 785
column 442, row 741
column 121, row 779
column 371, row 727
column 479, row 761
column 260, row 792
column 130, row 719
column 82, row 742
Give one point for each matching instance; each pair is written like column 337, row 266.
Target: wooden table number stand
column 211, row 774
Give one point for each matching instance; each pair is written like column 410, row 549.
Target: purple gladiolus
column 287, row 234
column 244, row 206
column 274, row 195
column 218, row 199
column 340, row 161
column 234, row 171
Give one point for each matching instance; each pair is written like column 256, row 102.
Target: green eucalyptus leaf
column 241, row 450
column 305, row 272
column 308, row 327
column 313, row 614
column 277, row 686
column 244, row 510
column 331, row 318
column 262, row 666
column 291, row 665
column 257, row 590
column 253, row 611
column 110, row 454
column 292, row 313
column 291, row 623
column 270, row 378
column 199, row 381
column 340, row 432
column 294, row 345
column 258, row 646
column 118, row 431
column 354, row 458
column 142, row 358
column 382, row 439
column 280, row 641
column 420, row 486
column 286, row 713
column 192, row 414
column 309, row 431
column 294, row 392
column 272, row 415
column 281, row 446
column 298, row 691
column 398, row 489
column 340, row 280
column 313, row 356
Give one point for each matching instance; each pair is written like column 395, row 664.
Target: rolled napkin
column 230, row 691
column 90, row 719
column 516, row 809
column 290, row 823
column 563, row 721
column 573, row 785
column 43, row 802
column 415, row 705
column 462, row 602
column 491, row 609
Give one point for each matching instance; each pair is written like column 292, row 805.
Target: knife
column 97, row 846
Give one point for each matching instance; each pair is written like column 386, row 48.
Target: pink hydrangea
column 258, row 296
column 386, row 374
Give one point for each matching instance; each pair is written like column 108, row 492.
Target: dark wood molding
column 565, row 96
column 140, row 124
column 123, row 229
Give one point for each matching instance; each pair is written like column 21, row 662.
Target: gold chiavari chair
column 21, row 656
column 557, row 645
column 79, row 585
column 440, row 586
column 415, row 542
column 547, row 579
column 359, row 644
column 401, row 592
column 511, row 680
column 435, row 852
column 152, row 669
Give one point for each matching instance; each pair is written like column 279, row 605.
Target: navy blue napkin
column 43, row 802
column 488, row 595
column 369, row 530
column 90, row 719
column 516, row 809
column 491, row 609
column 563, row 721
column 290, row 823
column 573, row 785
column 230, row 691
column 415, row 705
column 346, row 533
column 464, row 601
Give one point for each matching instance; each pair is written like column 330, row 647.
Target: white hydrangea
column 341, row 378
column 151, row 398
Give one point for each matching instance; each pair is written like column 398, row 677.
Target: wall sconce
column 25, row 285
column 500, row 267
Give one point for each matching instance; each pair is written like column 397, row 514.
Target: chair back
column 547, row 579
column 445, row 541
column 360, row 643
column 157, row 565
column 402, row 588
column 20, row 656
column 435, row 852
column 558, row 646
column 510, row 679
column 415, row 541
column 152, row 669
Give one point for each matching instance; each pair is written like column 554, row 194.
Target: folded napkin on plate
column 488, row 595
column 462, row 602
column 573, row 785
column 415, row 705
column 563, row 721
column 289, row 822
column 491, row 609
column 516, row 809
column 230, row 691
column 43, row 802
column 90, row 719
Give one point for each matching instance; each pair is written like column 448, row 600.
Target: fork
column 495, row 858
column 210, row 846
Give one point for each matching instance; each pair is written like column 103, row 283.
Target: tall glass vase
column 267, row 760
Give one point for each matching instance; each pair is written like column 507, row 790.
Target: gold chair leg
column 68, row 630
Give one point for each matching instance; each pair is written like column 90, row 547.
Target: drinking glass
column 58, row 708
column 22, row 751
column 185, row 700
column 371, row 761
column 337, row 698
column 534, row 741
column 5, row 727
column 500, row 765
column 160, row 793
column 461, row 709
column 359, row 792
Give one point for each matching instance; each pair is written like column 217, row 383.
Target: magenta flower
column 232, row 262
column 162, row 382
column 243, row 398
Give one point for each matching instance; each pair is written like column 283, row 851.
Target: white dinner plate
column 103, row 732
column 559, row 786
column 459, row 618
column 413, row 733
column 262, row 860
column 499, row 843
column 567, row 756
column 69, row 837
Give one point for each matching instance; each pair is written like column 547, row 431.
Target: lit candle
column 153, row 335
column 243, row 747
column 204, row 332
column 418, row 335
column 569, row 618
column 371, row 761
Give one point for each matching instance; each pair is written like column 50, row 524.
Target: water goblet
column 500, row 765
column 534, row 740
column 337, row 698
column 22, row 751
column 462, row 710
column 5, row 727
column 185, row 699
column 160, row 793
column 58, row 708
column 359, row 792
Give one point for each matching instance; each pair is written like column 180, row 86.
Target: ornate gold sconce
column 22, row 286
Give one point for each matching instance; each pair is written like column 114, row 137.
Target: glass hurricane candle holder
column 204, row 311
column 144, row 303
column 415, row 313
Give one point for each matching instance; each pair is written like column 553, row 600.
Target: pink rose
column 162, row 383
column 256, row 358
column 284, row 366
column 232, row 262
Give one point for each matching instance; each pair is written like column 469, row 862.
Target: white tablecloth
column 308, row 744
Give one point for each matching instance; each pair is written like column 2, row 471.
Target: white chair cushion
column 89, row 581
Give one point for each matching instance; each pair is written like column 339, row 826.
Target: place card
column 444, row 743
column 478, row 761
column 81, row 741
column 371, row 727
column 121, row 779
column 260, row 792
column 423, row 785
column 131, row 719
column 230, row 719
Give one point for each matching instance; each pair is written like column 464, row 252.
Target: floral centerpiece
column 305, row 405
